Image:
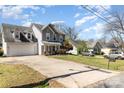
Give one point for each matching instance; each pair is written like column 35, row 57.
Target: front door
column 53, row 48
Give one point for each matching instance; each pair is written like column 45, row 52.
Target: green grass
column 17, row 75
column 97, row 61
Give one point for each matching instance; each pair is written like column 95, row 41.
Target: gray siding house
column 49, row 38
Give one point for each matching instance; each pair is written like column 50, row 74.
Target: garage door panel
column 22, row 49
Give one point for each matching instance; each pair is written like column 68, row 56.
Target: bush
column 1, row 52
column 46, row 53
column 62, row 51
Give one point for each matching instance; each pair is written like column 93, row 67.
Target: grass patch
column 13, row 75
column 93, row 61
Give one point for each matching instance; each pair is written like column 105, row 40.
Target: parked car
column 116, row 55
column 89, row 53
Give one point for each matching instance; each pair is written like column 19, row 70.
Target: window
column 29, row 35
column 24, row 33
column 17, row 35
column 54, row 38
column 12, row 31
column 61, row 38
column 47, row 36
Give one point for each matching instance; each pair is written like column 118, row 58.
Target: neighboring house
column 107, row 48
column 102, row 48
column 94, row 47
column 74, row 51
column 18, row 40
column 49, row 38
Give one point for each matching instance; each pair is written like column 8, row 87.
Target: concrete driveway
column 60, row 73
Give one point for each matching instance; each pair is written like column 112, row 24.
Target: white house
column 74, row 51
column 18, row 40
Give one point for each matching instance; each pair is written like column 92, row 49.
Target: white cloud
column 28, row 22
column 79, row 7
column 98, row 29
column 16, row 12
column 77, row 15
column 83, row 20
column 58, row 22
column 49, row 6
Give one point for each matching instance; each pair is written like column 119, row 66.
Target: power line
column 95, row 13
column 98, row 15
column 106, row 9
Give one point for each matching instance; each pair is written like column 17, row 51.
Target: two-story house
column 49, row 37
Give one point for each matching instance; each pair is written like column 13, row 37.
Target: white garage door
column 22, row 49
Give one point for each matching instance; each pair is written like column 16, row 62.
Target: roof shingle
column 8, row 29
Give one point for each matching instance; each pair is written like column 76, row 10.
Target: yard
column 17, row 75
column 97, row 61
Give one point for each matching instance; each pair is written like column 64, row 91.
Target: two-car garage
column 20, row 49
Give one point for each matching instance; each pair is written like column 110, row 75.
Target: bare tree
column 116, row 29
column 71, row 32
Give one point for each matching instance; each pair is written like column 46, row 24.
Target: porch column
column 58, row 47
column 55, row 48
column 44, row 48
column 48, row 48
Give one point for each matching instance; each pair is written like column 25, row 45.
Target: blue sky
column 72, row 15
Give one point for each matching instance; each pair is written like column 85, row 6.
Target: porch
column 50, row 48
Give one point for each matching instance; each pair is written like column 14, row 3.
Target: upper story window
column 12, row 31
column 61, row 38
column 25, row 33
column 29, row 36
column 47, row 36
column 54, row 37
column 17, row 35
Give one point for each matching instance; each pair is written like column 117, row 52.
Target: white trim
column 51, row 43
column 51, row 29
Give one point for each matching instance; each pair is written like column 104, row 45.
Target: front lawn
column 97, row 61
column 13, row 75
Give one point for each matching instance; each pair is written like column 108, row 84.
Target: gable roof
column 102, row 45
column 42, row 27
column 93, row 44
column 56, row 29
column 39, row 26
column 8, row 34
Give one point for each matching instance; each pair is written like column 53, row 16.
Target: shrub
column 62, row 51
column 46, row 53
column 1, row 52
